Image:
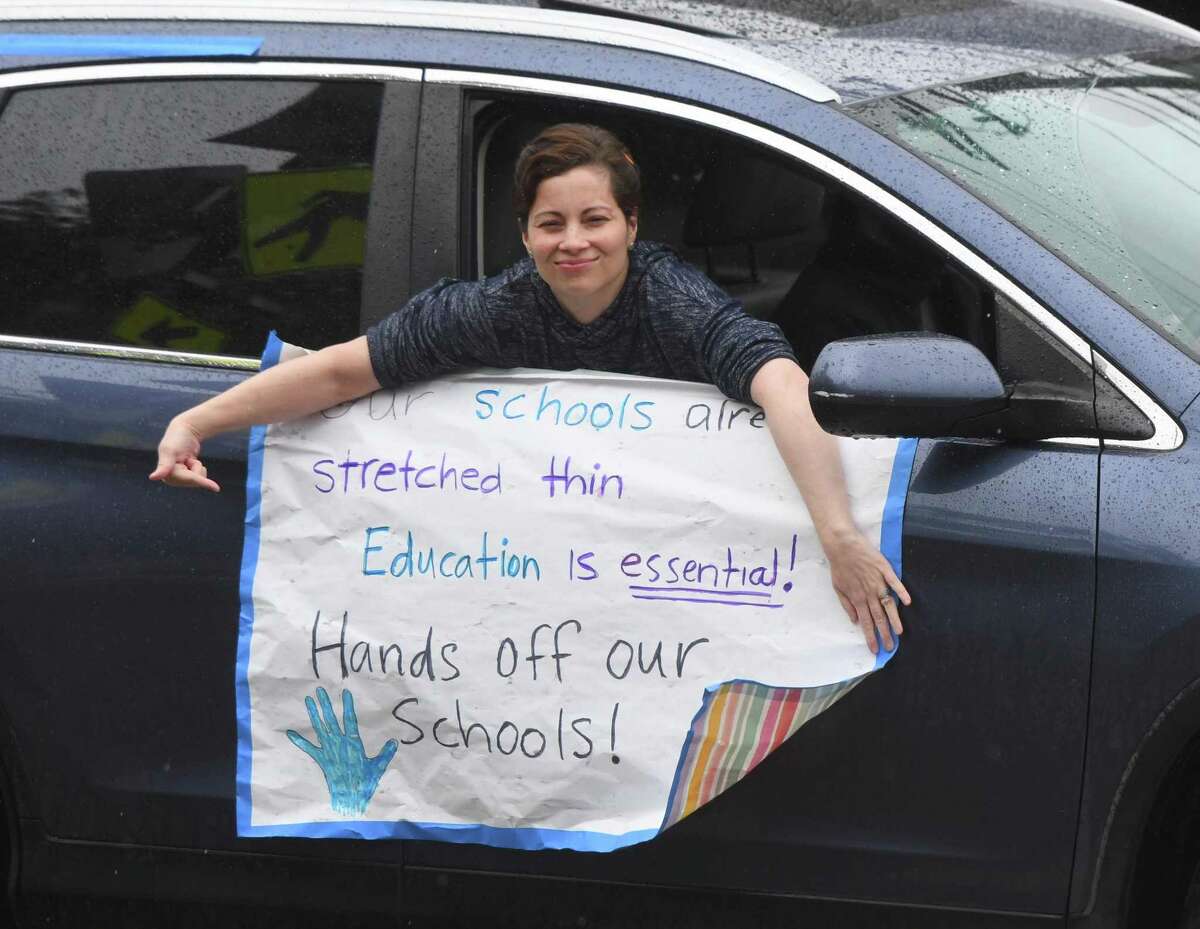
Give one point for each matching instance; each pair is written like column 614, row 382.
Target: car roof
column 824, row 50
column 871, row 48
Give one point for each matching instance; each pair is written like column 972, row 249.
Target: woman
column 588, row 296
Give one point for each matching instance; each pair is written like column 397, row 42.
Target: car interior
column 818, row 259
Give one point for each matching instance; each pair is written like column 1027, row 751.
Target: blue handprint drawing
column 350, row 775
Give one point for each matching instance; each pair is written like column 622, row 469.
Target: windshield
column 1099, row 160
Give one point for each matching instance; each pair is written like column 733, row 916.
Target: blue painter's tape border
column 527, row 839
column 129, row 46
column 254, row 465
column 891, row 533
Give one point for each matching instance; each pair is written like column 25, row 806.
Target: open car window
column 793, row 246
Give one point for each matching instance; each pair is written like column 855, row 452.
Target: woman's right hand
column 178, row 461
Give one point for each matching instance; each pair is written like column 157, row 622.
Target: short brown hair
column 558, row 149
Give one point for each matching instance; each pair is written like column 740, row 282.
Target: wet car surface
column 1030, row 758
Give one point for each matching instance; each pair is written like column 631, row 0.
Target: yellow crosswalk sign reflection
column 305, row 220
column 152, row 323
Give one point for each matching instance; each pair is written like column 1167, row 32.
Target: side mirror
column 918, row 384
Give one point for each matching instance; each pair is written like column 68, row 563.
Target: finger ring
column 884, row 598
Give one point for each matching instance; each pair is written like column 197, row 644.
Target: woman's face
column 580, row 239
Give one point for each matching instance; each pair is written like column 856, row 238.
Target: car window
column 793, row 246
column 192, row 216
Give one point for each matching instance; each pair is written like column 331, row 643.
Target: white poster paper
column 532, row 609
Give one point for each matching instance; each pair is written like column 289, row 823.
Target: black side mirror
column 918, row 384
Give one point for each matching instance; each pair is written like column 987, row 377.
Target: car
column 1020, row 177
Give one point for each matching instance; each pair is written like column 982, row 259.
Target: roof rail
column 589, row 6
column 439, row 14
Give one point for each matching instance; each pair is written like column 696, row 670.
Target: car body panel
column 148, row 758
column 479, row 19
column 64, row 418
column 1147, row 632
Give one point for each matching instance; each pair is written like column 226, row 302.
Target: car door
column 158, row 220
column 951, row 778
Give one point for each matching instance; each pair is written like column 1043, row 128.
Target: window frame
column 377, row 225
column 1168, row 435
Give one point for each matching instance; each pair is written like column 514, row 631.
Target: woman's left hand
column 862, row 577
column 867, row 587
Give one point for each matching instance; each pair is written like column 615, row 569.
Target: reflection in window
column 1099, row 160
column 187, row 215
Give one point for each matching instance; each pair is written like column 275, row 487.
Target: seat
column 747, row 207
column 871, row 276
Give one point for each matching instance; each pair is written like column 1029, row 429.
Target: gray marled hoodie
column 669, row 320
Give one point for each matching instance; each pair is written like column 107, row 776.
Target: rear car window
column 192, row 216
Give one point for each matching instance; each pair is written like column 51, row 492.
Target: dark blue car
column 1019, row 176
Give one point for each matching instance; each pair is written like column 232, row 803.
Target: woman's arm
column 302, row 386
column 862, row 577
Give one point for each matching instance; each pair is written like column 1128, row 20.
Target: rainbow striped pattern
column 739, row 724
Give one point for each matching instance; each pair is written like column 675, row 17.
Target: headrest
column 748, row 199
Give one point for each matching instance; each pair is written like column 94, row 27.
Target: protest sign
column 532, row 609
